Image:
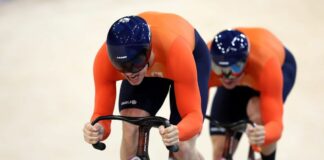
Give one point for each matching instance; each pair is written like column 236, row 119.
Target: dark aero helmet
column 229, row 47
column 129, row 44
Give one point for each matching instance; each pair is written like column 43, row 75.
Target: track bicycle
column 231, row 131
column 145, row 124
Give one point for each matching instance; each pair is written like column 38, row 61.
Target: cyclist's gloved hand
column 170, row 135
column 93, row 134
column 256, row 134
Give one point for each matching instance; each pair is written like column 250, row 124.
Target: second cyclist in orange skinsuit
column 254, row 74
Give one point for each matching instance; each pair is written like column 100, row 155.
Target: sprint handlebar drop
column 144, row 123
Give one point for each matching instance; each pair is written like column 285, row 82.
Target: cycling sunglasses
column 230, row 72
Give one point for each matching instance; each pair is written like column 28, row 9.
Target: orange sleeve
column 105, row 88
column 182, row 67
column 271, row 101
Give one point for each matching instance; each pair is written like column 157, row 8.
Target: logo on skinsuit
column 217, row 129
column 133, row 102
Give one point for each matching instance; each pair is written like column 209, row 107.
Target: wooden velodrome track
column 47, row 49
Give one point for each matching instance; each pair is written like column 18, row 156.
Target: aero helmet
column 129, row 44
column 229, row 47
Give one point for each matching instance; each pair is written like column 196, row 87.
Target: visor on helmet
column 231, row 72
column 129, row 58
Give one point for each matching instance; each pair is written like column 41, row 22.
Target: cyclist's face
column 136, row 78
column 230, row 76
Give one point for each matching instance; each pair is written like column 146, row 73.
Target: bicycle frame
column 145, row 124
column 231, row 130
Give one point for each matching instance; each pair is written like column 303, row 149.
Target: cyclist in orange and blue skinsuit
column 254, row 74
column 152, row 53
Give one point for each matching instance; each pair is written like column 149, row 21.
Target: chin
column 135, row 82
column 229, row 86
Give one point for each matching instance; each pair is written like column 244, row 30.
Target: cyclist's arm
column 183, row 70
column 271, row 101
column 105, row 88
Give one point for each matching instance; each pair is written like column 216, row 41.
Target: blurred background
column 47, row 48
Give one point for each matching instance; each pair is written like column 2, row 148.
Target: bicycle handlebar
column 150, row 121
column 238, row 126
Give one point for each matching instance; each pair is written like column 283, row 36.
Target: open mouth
column 227, row 80
column 133, row 77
